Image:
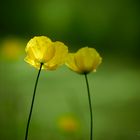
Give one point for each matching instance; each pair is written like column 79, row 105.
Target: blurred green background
column 61, row 106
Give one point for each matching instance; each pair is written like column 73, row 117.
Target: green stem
column 90, row 108
column 33, row 98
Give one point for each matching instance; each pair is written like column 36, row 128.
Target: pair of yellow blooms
column 41, row 50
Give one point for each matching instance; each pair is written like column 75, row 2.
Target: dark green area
column 111, row 26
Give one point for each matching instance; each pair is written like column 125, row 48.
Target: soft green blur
column 112, row 27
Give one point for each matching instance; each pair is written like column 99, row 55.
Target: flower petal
column 32, row 62
column 70, row 62
column 61, row 51
column 40, row 48
column 87, row 59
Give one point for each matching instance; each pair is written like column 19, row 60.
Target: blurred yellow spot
column 68, row 124
column 11, row 49
column 85, row 60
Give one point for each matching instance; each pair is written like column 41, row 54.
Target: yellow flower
column 41, row 50
column 68, row 124
column 85, row 60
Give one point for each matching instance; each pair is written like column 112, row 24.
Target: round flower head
column 41, row 50
column 84, row 61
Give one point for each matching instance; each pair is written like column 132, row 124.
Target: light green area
column 115, row 98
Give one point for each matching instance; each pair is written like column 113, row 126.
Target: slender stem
column 33, row 98
column 90, row 108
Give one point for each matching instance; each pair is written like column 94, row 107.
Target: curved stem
column 90, row 108
column 33, row 98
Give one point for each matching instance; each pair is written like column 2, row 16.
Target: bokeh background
column 61, row 107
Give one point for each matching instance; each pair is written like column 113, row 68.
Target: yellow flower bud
column 85, row 60
column 41, row 50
